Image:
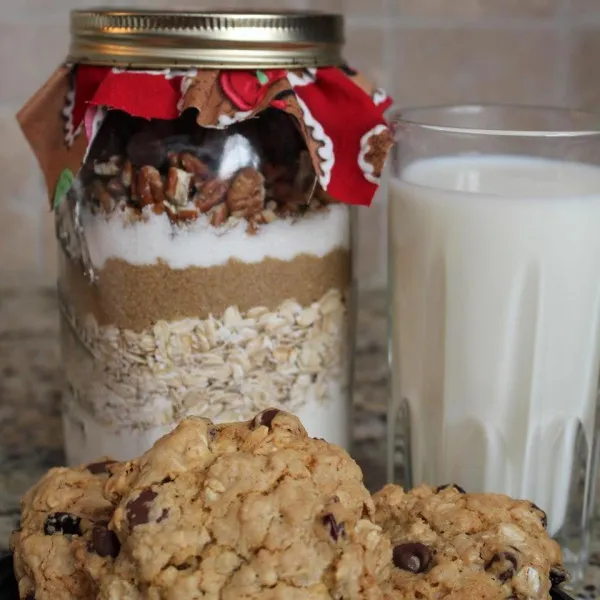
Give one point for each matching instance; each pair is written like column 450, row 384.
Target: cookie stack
column 261, row 510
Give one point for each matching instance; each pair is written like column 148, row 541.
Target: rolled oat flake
column 202, row 168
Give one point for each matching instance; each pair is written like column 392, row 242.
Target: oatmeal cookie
column 241, row 511
column 63, row 532
column 451, row 545
column 244, row 511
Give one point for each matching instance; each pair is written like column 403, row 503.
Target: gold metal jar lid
column 231, row 40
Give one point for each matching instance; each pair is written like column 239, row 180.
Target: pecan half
column 178, row 186
column 150, row 187
column 187, row 213
column 246, row 194
column 211, row 194
column 192, row 164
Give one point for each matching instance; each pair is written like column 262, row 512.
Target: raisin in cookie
column 451, row 545
column 65, row 512
column 244, row 511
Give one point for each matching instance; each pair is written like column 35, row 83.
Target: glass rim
column 409, row 116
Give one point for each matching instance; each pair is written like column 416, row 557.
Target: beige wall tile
column 21, row 201
column 352, row 8
column 477, row 9
column 20, row 177
column 434, row 66
column 584, row 75
column 364, row 52
column 45, row 10
column 583, row 9
column 29, row 53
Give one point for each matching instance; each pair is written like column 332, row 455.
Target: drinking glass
column 494, row 301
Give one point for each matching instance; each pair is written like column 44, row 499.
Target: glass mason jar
column 204, row 269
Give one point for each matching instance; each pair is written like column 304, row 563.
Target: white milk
column 496, row 306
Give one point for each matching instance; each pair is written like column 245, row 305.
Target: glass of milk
column 494, row 258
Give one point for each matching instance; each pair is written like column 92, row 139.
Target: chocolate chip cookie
column 234, row 511
column 63, row 522
column 448, row 544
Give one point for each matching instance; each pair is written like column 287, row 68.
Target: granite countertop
column 30, row 388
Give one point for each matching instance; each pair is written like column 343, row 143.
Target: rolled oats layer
column 225, row 368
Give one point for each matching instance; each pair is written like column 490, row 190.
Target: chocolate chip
column 138, row 510
column 163, row 515
column 98, row 468
column 450, row 485
column 558, row 575
column 543, row 515
column 30, row 596
column 336, row 530
column 266, row 418
column 104, row 542
column 412, row 556
column 62, row 522
column 503, row 565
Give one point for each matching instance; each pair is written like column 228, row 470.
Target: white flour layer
column 199, row 244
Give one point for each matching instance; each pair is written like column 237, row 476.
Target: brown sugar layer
column 135, row 297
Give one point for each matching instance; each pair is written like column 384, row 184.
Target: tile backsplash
column 422, row 51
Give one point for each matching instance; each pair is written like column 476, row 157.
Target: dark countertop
column 30, row 387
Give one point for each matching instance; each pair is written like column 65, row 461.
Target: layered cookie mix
column 203, row 219
column 221, row 275
column 448, row 544
column 245, row 510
